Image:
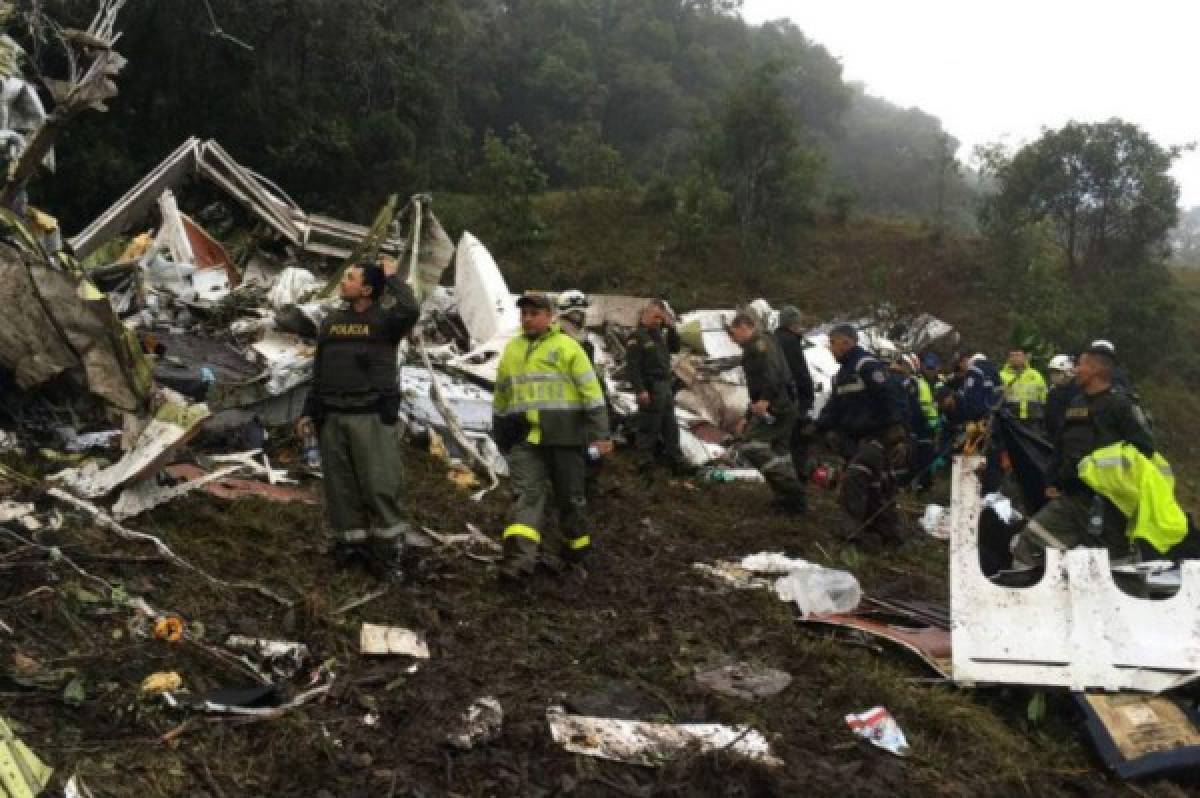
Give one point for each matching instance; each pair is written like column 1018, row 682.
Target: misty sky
column 1002, row 71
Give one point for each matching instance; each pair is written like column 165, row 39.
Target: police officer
column 862, row 421
column 976, row 398
column 790, row 337
column 772, row 414
column 1024, row 389
column 1121, row 381
column 929, row 384
column 1062, row 388
column 1097, row 416
column 905, row 394
column 980, row 390
column 648, row 366
column 548, row 411
column 353, row 403
column 920, row 400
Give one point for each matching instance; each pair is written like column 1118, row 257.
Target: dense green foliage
column 1080, row 224
column 345, row 102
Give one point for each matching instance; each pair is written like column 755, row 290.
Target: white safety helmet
column 572, row 300
column 1103, row 343
column 1062, row 363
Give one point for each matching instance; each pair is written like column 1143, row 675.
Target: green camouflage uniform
column 768, row 443
column 648, row 365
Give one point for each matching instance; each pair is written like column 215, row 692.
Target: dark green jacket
column 767, row 373
column 648, row 356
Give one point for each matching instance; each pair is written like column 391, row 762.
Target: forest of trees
column 343, row 103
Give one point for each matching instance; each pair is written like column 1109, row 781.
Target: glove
column 509, row 431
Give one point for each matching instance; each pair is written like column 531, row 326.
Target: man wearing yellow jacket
column 1143, row 489
column 549, row 416
column 1024, row 388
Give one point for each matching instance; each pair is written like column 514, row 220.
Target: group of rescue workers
column 894, row 420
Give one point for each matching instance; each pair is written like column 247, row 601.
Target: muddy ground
column 628, row 637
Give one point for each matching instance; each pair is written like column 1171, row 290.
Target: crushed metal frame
column 1075, row 628
column 312, row 233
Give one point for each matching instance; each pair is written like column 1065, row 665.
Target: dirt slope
column 636, row 627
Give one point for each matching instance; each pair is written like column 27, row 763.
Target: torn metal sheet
column 455, row 429
column 434, row 250
column 719, row 397
column 615, row 309
column 284, row 658
column 56, row 322
column 374, row 639
column 651, row 744
column 924, row 636
column 253, row 403
column 233, row 489
column 197, row 270
column 1073, row 629
column 484, row 302
column 311, row 233
column 15, row 511
column 147, row 494
column 1141, row 736
column 706, row 332
column 823, row 368
column 172, row 426
column 74, row 442
column 697, row 452
column 288, row 360
column 470, row 403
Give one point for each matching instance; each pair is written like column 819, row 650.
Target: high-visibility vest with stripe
column 550, row 381
column 1025, row 391
column 1142, row 488
column 925, row 397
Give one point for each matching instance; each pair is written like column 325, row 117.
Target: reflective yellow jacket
column 1025, row 391
column 549, row 382
column 928, row 407
column 1142, row 488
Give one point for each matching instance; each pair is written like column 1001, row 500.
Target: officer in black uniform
column 863, row 422
column 790, row 337
column 353, row 404
column 648, row 366
column 1098, row 415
